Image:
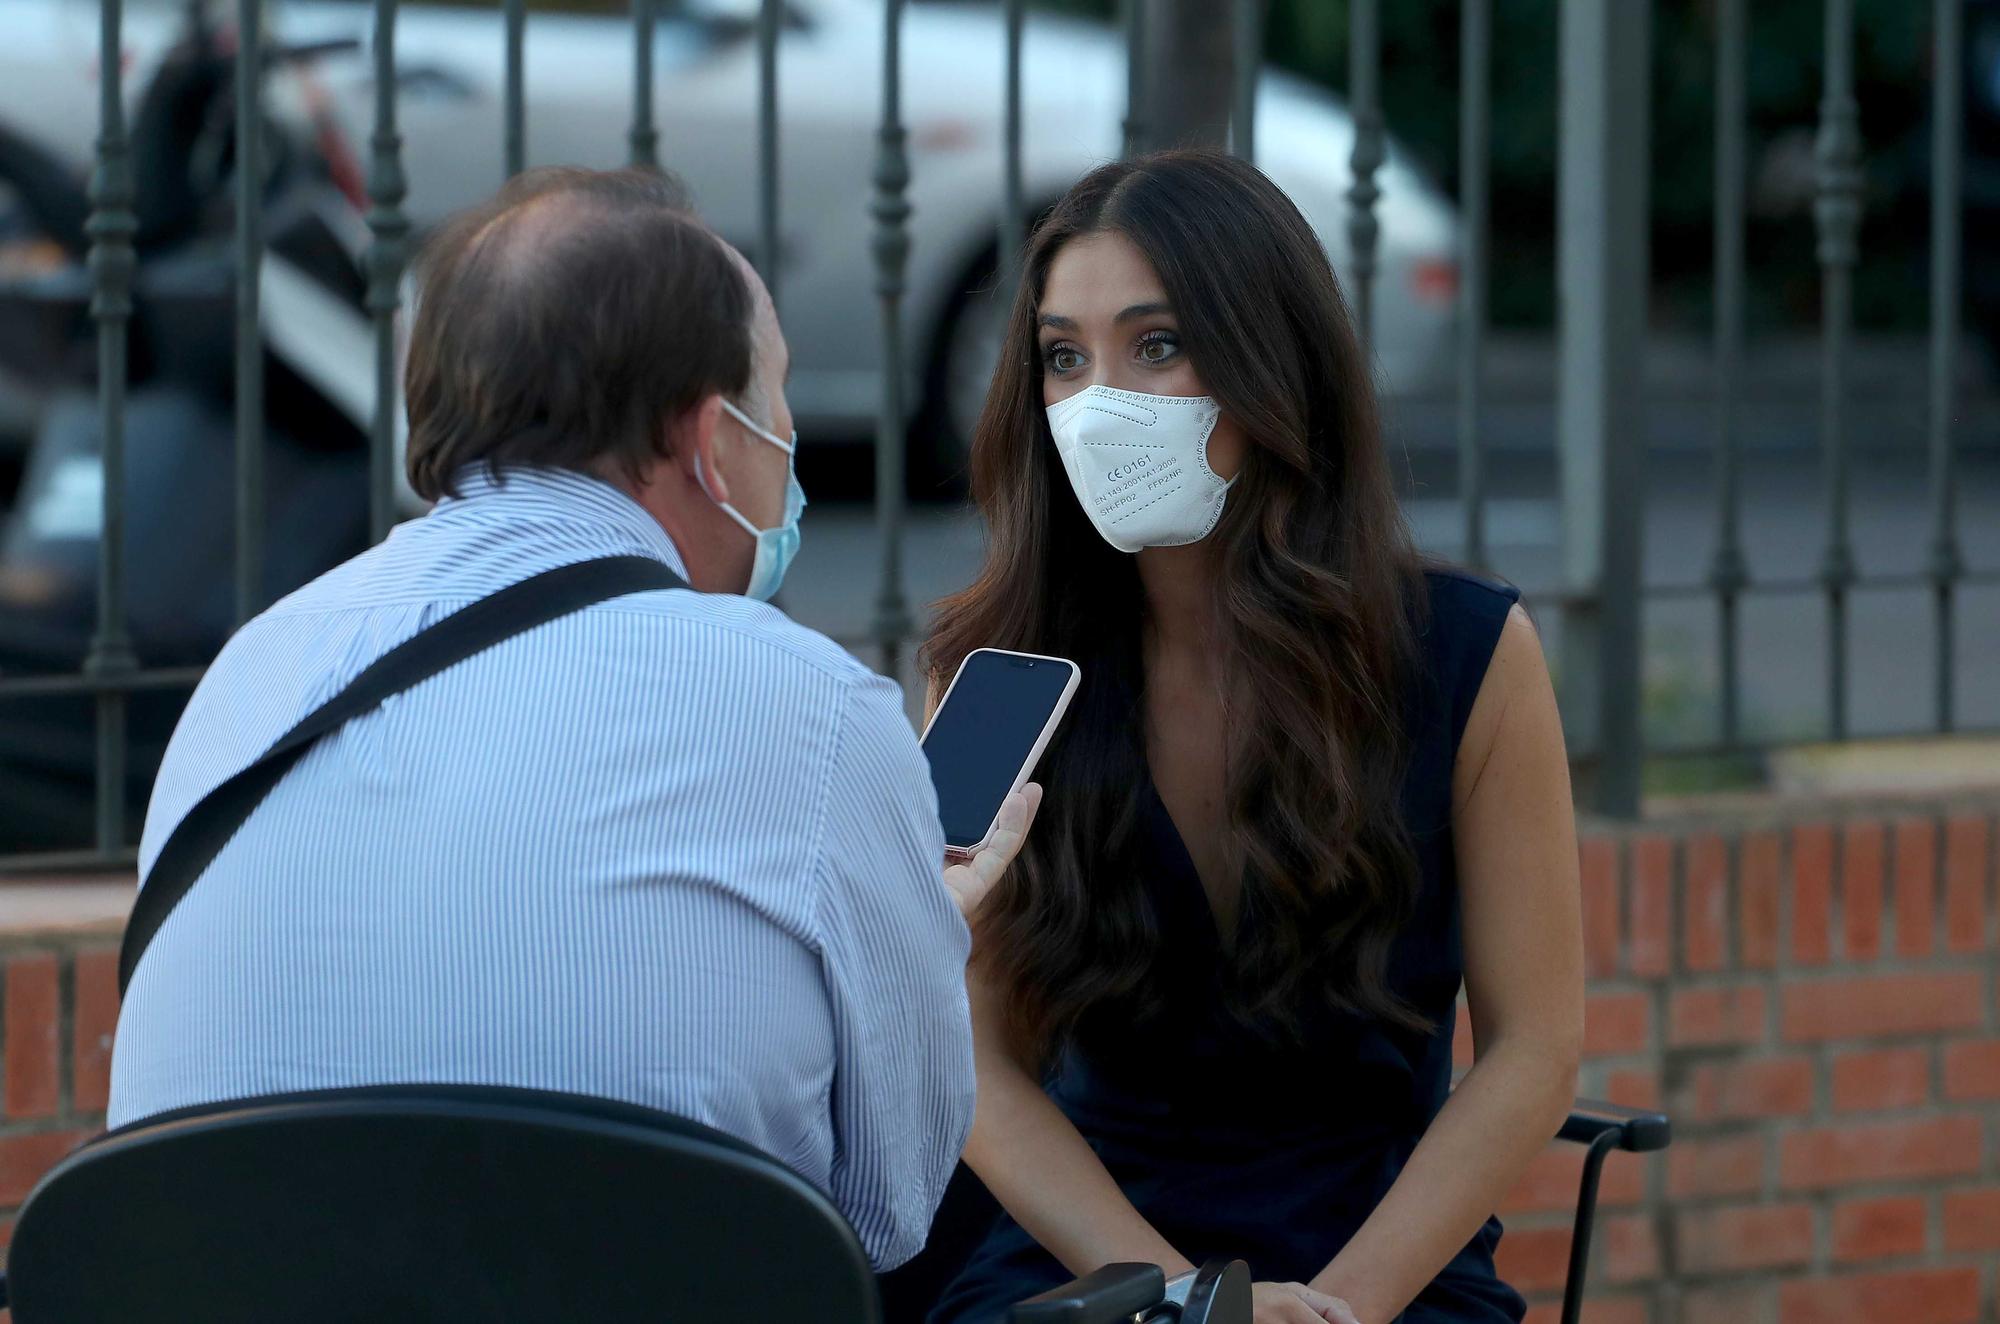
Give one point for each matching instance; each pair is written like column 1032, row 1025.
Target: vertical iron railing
column 1474, row 154
column 770, row 23
column 892, row 250
column 644, row 137
column 1249, row 52
column 1601, row 275
column 390, row 227
column 1603, row 265
column 1946, row 562
column 1728, row 574
column 1837, row 212
column 111, row 227
column 249, row 341
column 1135, row 128
column 1013, row 189
column 1364, row 232
column 513, row 94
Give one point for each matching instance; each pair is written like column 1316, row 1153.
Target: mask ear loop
column 701, row 478
column 788, row 447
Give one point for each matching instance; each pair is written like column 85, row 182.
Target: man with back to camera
column 669, row 848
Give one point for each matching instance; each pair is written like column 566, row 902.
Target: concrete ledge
column 52, row 907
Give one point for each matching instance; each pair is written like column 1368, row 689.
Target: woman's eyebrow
column 1141, row 310
column 1060, row 323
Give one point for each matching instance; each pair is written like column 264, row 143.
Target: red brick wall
column 58, row 1008
column 1814, row 1005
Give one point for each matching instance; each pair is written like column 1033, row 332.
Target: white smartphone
column 988, row 733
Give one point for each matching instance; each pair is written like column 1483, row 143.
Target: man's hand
column 969, row 882
column 1295, row 1303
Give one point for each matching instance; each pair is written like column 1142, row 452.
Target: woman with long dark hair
column 1310, row 786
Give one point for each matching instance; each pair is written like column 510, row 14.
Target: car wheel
column 961, row 371
column 972, row 350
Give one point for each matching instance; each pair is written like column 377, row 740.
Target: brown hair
column 1318, row 587
column 566, row 323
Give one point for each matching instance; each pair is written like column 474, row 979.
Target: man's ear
column 695, row 444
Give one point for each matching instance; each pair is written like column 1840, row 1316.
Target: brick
column 1705, row 1017
column 1883, row 1006
column 1879, row 1081
column 1550, row 1183
column 1737, row 1238
column 33, row 1018
column 1757, row 904
column 1615, row 1024
column 1731, row 1165
column 1599, row 860
column 1915, row 1296
column 1534, row 1259
column 1649, row 949
column 1861, row 890
column 1812, row 894
column 23, row 1160
column 1627, row 1248
column 1738, row 1303
column 1878, row 1229
column 1632, row 1089
column 1916, row 887
column 1705, row 904
column 1972, row 1220
column 96, row 1020
column 1972, row 1070
column 1965, row 871
column 1750, row 1088
column 1881, row 1151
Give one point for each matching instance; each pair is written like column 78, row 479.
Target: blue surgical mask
column 775, row 547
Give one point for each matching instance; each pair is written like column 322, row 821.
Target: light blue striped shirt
column 673, row 849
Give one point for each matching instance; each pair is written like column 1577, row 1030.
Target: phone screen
column 983, row 733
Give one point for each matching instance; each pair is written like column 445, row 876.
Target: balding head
column 768, row 353
column 569, row 323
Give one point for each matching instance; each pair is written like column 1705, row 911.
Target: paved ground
column 1784, row 523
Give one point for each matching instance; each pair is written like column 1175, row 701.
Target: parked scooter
column 180, row 436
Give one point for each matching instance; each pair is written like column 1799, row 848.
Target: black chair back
column 435, row 1204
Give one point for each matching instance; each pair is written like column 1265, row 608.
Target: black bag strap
column 208, row 827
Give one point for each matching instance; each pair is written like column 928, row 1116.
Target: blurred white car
column 579, row 100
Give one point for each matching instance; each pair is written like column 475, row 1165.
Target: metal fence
column 1604, row 95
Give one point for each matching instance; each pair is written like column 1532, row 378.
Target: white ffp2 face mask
column 1139, row 464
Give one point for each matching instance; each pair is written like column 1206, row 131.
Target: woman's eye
column 1062, row 358
column 1158, row 348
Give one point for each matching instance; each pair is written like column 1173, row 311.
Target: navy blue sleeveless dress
column 1274, row 1150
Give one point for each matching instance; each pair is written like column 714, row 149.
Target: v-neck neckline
column 1174, row 852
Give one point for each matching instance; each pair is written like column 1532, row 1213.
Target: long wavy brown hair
column 1318, row 596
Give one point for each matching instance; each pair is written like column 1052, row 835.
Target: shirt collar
column 530, row 494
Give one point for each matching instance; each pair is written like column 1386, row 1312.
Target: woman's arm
column 1037, row 1165
column 1515, row 840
